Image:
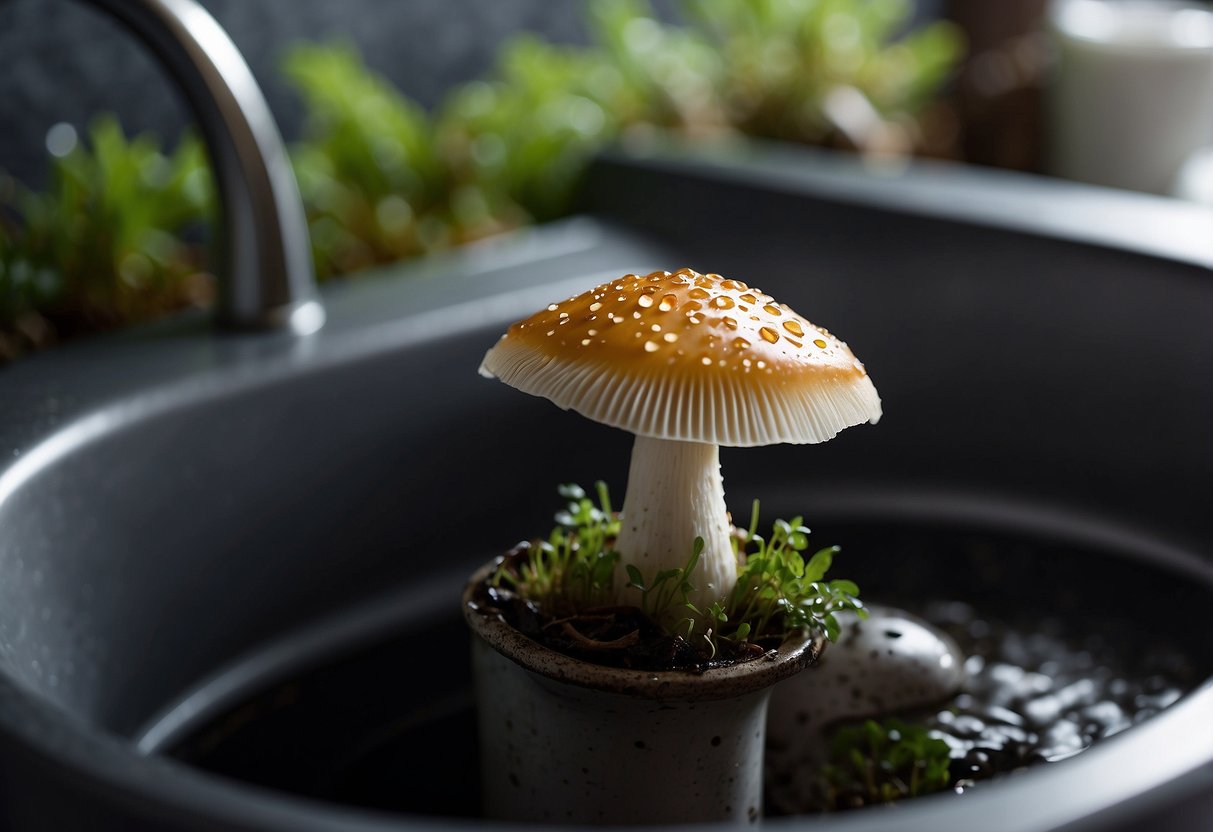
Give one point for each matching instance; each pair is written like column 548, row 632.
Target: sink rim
column 40, row 733
column 1059, row 795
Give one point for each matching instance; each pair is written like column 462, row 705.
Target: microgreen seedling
column 881, row 762
column 574, row 568
column 778, row 591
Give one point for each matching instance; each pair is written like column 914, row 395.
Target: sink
column 173, row 500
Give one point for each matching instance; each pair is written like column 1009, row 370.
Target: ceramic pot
column 568, row 741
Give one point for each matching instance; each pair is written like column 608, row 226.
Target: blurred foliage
column 369, row 172
column 382, row 180
column 106, row 243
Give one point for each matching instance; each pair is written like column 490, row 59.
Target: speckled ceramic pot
column 565, row 740
column 891, row 662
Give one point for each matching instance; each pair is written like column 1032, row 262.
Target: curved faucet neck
column 262, row 249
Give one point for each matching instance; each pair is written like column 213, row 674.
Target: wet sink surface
column 191, row 497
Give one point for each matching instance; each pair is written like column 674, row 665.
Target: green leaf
column 820, row 563
column 634, row 577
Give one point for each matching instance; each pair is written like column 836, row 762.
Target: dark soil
column 615, row 636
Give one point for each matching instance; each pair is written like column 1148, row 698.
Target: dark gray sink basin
column 172, row 501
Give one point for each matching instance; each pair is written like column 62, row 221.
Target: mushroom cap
column 690, row 357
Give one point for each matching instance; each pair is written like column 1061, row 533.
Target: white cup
column 1133, row 94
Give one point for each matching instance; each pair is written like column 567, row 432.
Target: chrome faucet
column 263, row 254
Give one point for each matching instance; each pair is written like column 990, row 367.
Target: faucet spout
column 263, row 252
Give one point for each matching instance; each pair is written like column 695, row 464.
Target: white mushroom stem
column 675, row 494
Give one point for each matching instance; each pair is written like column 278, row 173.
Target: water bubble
column 749, row 298
column 699, row 293
column 722, row 302
column 645, row 300
column 773, row 309
column 707, row 362
column 585, row 342
column 741, row 343
column 668, row 302
column 650, row 346
column 656, row 327
column 695, row 320
column 768, row 334
column 820, row 344
column 61, row 139
column 595, row 306
column 552, row 307
column 794, row 327
column 731, row 323
column 669, row 337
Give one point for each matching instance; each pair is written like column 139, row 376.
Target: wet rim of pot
column 1178, row 743
column 793, row 656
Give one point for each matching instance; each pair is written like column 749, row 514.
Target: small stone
column 889, row 663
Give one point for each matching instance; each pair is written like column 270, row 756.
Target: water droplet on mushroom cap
column 700, row 326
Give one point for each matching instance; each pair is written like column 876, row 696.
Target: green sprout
column 882, row 762
column 777, row 584
column 667, row 597
column 574, row 568
column 778, row 591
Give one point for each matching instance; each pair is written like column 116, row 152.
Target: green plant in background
column 874, row 762
column 669, row 76
column 373, row 183
column 809, row 70
column 519, row 141
column 107, row 243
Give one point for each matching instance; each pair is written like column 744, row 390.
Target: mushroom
column 687, row 362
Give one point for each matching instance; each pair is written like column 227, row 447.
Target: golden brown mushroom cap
column 687, row 356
